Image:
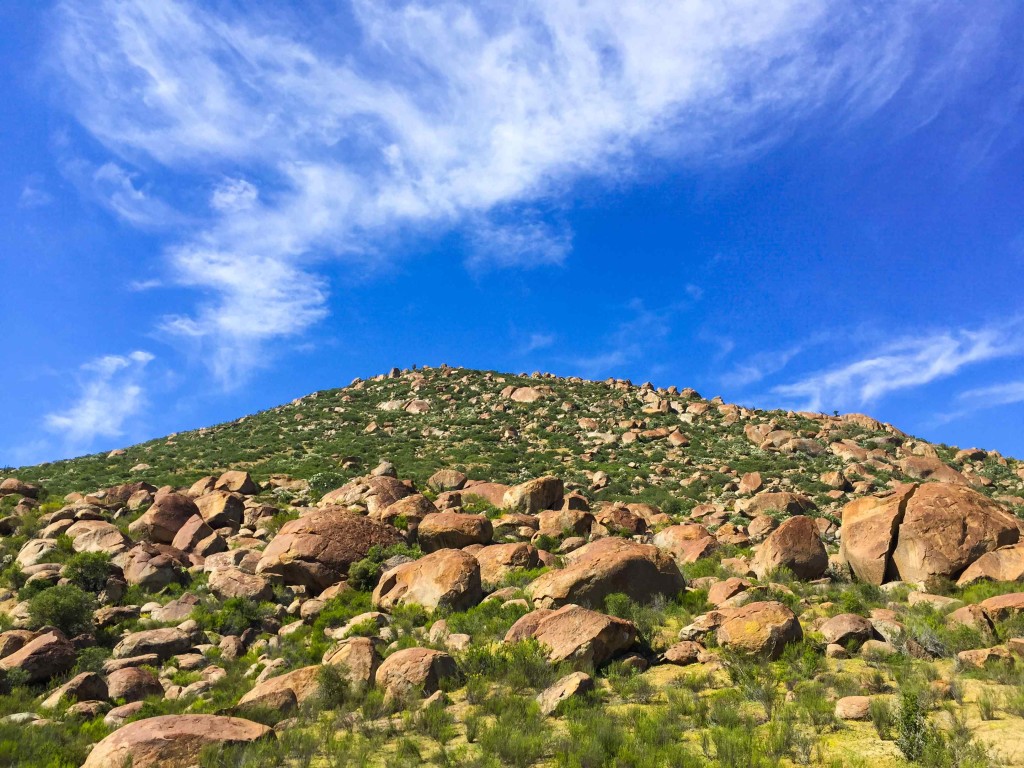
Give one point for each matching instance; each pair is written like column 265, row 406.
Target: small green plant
column 911, row 728
column 65, row 607
column 88, row 571
column 883, row 718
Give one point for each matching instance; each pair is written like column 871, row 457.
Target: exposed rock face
column 998, row 608
column 1003, row 564
column 165, row 643
column 413, row 508
column 161, row 522
column 376, row 493
column 556, row 522
column 499, row 560
column 98, row 536
column 763, row 629
column 576, row 633
column 605, row 567
column 946, row 528
column 153, row 567
column 237, row 481
column 359, row 657
column 453, row 530
column 233, row 582
column 534, row 495
column 221, row 509
column 847, row 628
column 447, row 480
column 448, row 578
column 317, row 550
column 283, row 692
column 87, row 686
column 780, row 502
column 415, row 670
column 570, row 686
column 794, row 545
column 46, row 656
column 687, row 543
column 853, row 708
column 198, row 537
column 921, row 532
column 133, row 684
column 869, row 530
column 171, row 741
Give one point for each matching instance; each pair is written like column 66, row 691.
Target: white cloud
column 34, row 194
column 1006, row 393
column 522, row 244
column 758, row 366
column 631, row 341
column 909, row 362
column 537, row 342
column 425, row 115
column 115, row 188
column 110, row 393
column 138, row 286
column 233, row 195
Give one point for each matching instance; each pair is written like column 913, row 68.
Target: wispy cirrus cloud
column 906, row 363
column 319, row 137
column 110, row 392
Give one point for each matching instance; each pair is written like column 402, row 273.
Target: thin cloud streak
column 907, row 363
column 434, row 115
column 110, row 392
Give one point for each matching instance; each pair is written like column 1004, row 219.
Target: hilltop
column 661, row 445
column 455, row 567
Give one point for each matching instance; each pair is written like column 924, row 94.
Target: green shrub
column 232, row 617
column 365, row 573
column 911, row 728
column 88, row 570
column 66, row 607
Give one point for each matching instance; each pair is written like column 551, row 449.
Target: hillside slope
column 662, row 446
column 452, row 567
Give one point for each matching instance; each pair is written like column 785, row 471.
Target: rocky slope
column 448, row 566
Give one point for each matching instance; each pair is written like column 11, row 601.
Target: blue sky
column 212, row 208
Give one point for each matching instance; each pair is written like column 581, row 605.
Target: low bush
column 66, row 607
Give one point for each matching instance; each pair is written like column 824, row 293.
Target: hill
column 456, row 567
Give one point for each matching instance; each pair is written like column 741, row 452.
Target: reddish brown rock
column 684, row 653
column 316, row 550
column 198, row 537
column 43, row 657
column 620, row 519
column 998, row 608
column 359, row 658
column 762, row 629
column 165, row 643
column 778, row 502
column 98, row 536
column 233, row 582
column 534, row 495
column 415, row 671
column 1003, row 564
column 490, row 493
column 171, row 741
column 498, row 561
column 221, row 509
column 412, row 508
column 726, row 590
column 561, row 522
column 162, row 521
column 607, row 566
column 686, row 543
column 794, row 545
column 154, row 566
column 283, row 692
column 570, row 686
column 87, row 686
column 447, row 578
column 447, row 480
column 453, row 530
column 133, row 684
column 376, row 493
column 945, row 528
column 869, row 533
column 928, row 468
column 237, row 481
column 847, row 628
column 574, row 633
